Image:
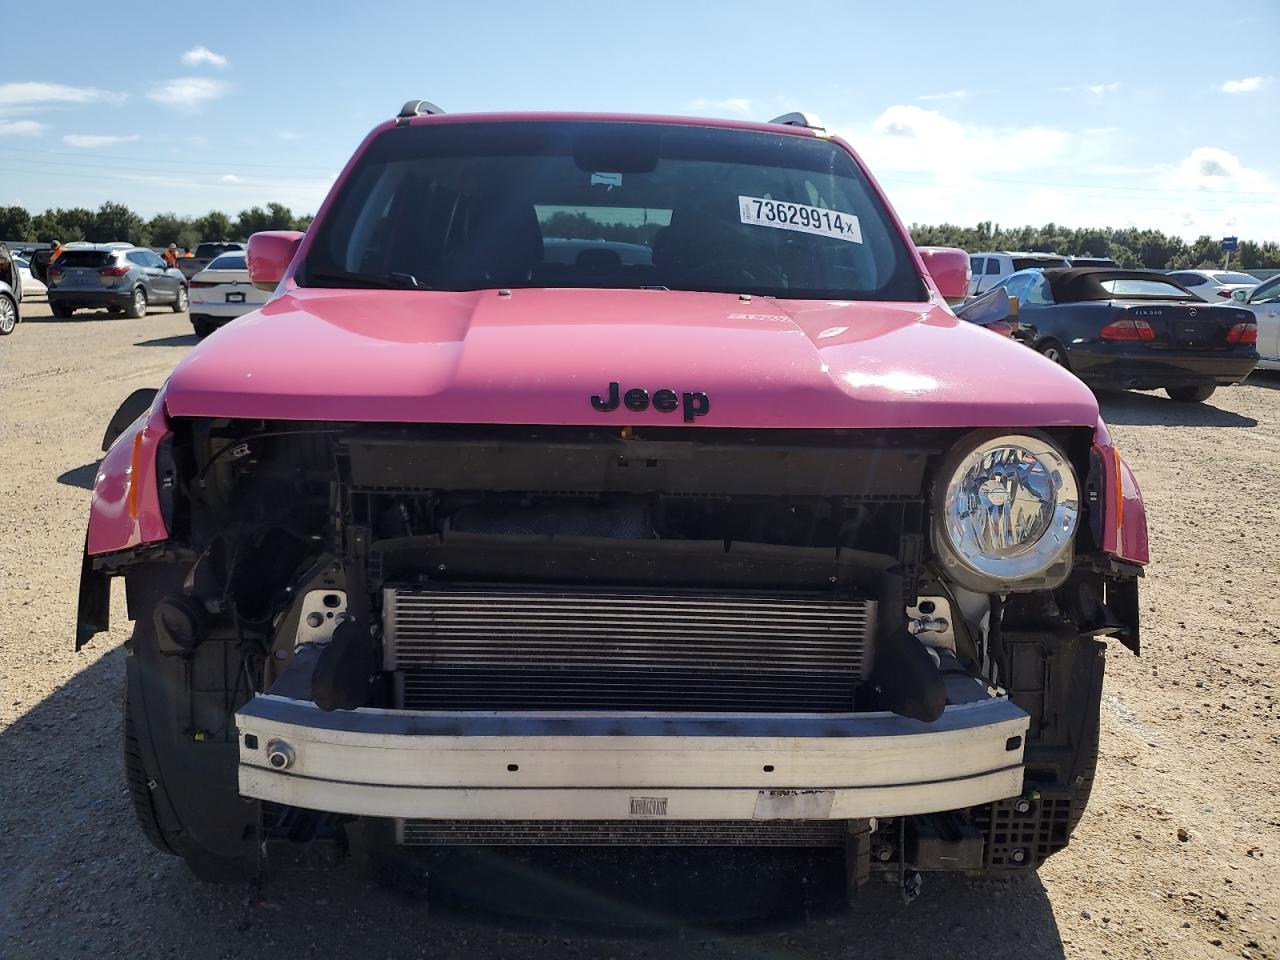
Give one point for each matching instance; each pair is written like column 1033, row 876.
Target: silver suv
column 122, row 278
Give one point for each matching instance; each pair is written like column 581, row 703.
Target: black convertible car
column 1123, row 329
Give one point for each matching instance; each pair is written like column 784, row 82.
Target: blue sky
column 1081, row 114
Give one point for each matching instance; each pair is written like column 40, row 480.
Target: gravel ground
column 1177, row 856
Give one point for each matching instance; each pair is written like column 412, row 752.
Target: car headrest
column 503, row 241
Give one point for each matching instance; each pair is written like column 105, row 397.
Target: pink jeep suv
column 613, row 480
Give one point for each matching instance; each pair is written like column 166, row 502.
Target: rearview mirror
column 949, row 268
column 269, row 256
column 1240, row 296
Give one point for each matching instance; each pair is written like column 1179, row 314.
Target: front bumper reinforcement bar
column 593, row 766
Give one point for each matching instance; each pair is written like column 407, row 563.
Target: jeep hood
column 538, row 356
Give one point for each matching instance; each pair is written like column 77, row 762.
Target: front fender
column 124, row 510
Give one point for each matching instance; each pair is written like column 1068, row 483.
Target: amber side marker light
column 1118, row 484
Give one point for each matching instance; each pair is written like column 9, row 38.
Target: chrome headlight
column 1008, row 513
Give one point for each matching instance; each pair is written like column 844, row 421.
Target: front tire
column 141, row 786
column 8, row 316
column 1191, row 394
column 180, row 305
column 137, row 306
column 182, row 775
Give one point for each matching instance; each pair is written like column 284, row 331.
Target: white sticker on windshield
column 799, row 217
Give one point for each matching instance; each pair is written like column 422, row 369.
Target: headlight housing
column 1005, row 514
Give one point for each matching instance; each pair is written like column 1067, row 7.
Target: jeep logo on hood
column 637, row 399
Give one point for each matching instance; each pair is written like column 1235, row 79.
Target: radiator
column 623, row 833
column 505, row 648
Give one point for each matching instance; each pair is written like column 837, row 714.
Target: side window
column 1268, row 292
column 993, row 266
column 1038, row 292
column 153, row 259
column 137, row 256
column 6, row 268
column 1190, row 279
column 975, row 265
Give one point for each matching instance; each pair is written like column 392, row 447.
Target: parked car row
column 190, row 264
column 1138, row 329
column 128, row 280
column 987, row 269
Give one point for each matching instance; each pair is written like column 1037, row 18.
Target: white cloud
column 198, row 140
column 1212, row 192
column 188, row 93
column 21, row 128
column 288, row 135
column 1247, row 85
column 91, row 140
column 738, row 105
column 1100, row 131
column 1097, row 89
column 198, row 55
column 19, row 95
column 1215, row 170
column 229, row 178
column 910, row 138
column 936, row 169
column 949, row 95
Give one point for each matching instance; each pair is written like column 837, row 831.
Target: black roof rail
column 799, row 119
column 415, row 108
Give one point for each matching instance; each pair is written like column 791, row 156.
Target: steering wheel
column 754, row 273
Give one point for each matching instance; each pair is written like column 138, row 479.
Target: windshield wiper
column 342, row 278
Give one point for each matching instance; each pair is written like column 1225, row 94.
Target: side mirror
column 270, row 254
column 1240, row 296
column 949, row 268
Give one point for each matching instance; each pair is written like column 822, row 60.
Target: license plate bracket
column 235, row 298
column 1191, row 334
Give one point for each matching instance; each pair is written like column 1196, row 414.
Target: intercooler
column 547, row 648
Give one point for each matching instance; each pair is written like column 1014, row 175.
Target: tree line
column 115, row 221
column 1129, row 247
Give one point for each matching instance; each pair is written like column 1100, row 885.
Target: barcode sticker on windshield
column 799, row 217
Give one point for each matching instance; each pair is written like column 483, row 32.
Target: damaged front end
column 588, row 636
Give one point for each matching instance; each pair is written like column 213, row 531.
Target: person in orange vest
column 56, row 251
column 171, row 255
column 186, row 252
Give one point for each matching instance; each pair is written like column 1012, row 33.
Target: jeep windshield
column 468, row 206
